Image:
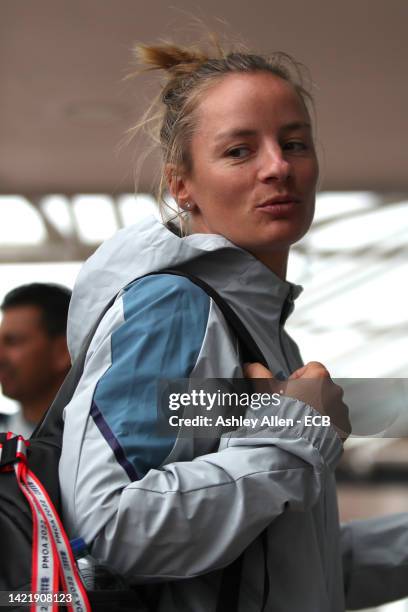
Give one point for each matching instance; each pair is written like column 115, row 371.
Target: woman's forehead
column 240, row 97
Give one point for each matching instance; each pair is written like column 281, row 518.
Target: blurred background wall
column 66, row 184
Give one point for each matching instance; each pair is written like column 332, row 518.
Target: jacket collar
column 261, row 299
column 255, row 292
column 246, row 265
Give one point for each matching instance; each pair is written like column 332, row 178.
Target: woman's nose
column 274, row 165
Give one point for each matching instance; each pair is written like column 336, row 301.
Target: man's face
column 29, row 360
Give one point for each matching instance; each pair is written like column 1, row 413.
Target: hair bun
column 172, row 58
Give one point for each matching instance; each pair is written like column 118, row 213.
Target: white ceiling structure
column 65, row 107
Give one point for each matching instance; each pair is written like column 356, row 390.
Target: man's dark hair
column 52, row 300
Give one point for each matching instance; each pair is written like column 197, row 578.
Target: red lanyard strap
column 52, row 559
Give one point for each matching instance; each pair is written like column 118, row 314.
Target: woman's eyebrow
column 296, row 125
column 235, row 134
column 245, row 133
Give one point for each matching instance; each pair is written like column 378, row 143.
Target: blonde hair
column 171, row 120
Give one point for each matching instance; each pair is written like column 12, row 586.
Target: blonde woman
column 239, row 159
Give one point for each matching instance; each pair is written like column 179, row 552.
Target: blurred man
column 34, row 358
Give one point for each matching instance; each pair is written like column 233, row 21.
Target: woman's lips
column 279, row 209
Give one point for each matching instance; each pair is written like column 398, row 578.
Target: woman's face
column 254, row 166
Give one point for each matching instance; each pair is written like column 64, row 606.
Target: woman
column 240, row 161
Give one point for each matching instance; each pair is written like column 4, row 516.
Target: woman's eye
column 295, row 145
column 238, row 152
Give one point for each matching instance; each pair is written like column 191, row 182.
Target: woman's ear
column 177, row 184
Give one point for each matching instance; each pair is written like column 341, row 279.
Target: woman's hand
column 312, row 385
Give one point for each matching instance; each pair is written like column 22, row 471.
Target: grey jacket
column 176, row 510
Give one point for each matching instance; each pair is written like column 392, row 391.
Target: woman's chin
column 275, row 239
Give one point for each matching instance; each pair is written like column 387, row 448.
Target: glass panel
column 95, row 217
column 133, row 208
column 353, row 312
column 330, row 204
column 20, row 223
column 56, row 209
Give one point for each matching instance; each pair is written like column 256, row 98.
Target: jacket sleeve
column 375, row 561
column 155, row 520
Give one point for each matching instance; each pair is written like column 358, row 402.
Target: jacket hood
column 148, row 246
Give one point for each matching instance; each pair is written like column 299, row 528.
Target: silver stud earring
column 188, row 205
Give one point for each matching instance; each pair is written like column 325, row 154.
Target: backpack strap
column 51, row 425
column 228, row 595
column 250, row 350
column 53, row 564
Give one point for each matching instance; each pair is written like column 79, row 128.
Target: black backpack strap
column 250, row 350
column 52, row 422
column 228, row 596
column 8, row 450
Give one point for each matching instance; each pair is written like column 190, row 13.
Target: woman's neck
column 277, row 261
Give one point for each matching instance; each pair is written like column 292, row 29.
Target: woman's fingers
column 313, row 369
column 312, row 385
